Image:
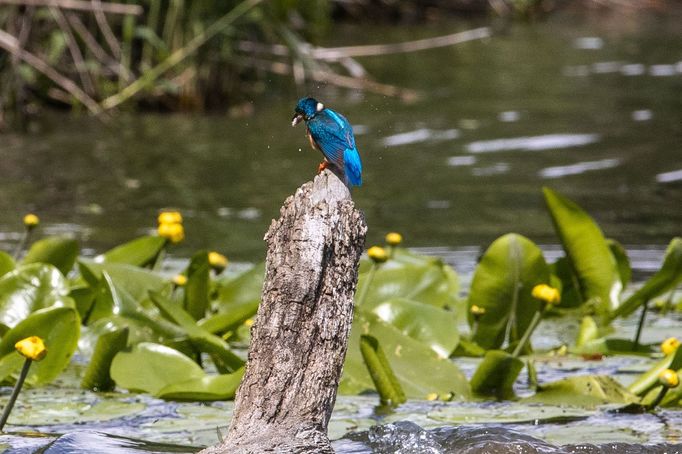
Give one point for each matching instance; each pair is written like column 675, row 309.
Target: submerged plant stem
column 642, row 317
column 15, row 393
column 529, row 331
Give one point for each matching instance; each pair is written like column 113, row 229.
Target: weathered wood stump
column 299, row 339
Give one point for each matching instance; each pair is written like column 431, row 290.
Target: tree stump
column 299, row 339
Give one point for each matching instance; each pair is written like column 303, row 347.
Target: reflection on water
column 445, row 170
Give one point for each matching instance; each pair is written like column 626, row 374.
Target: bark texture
column 299, row 339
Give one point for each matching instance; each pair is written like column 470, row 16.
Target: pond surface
column 590, row 106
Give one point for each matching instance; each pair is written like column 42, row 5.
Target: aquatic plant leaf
column 588, row 391
column 6, row 263
column 649, row 379
column 207, row 388
column 468, row 348
column 506, row 412
column 433, row 283
column 29, row 288
column 665, row 279
column 224, row 359
column 385, row 381
column 244, row 288
column 502, row 285
column 400, row 257
column 97, row 377
column 418, row 368
column 587, row 332
column 496, row 374
column 231, row 320
column 141, row 251
column 430, row 325
column 570, row 288
column 197, row 287
column 151, row 367
column 588, row 252
column 58, row 251
column 59, row 327
column 135, row 280
column 622, row 261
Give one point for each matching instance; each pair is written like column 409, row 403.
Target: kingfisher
column 330, row 132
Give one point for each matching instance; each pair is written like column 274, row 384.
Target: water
column 590, row 106
column 587, row 105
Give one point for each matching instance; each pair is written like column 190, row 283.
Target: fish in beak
column 296, row 119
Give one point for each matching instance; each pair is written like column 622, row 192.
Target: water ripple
column 576, row 169
column 533, row 143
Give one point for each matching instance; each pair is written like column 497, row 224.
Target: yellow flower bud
column 175, row 233
column 170, row 217
column 477, row 310
column 669, row 378
column 394, row 239
column 545, row 293
column 377, row 254
column 31, row 220
column 248, row 322
column 432, row 396
column 32, row 348
column 217, row 261
column 669, row 345
column 180, row 280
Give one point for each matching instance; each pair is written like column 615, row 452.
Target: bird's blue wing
column 333, row 134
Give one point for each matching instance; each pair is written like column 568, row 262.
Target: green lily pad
column 419, row 369
column 229, row 321
column 502, row 285
column 665, row 279
column 622, row 261
column 430, row 325
column 496, row 374
column 136, row 281
column 59, row 327
column 6, row 263
column 588, row 252
column 141, row 251
column 97, row 376
column 432, row 282
column 28, row 288
column 61, row 252
column 588, row 391
column 197, row 287
column 151, row 367
column 209, row 387
column 244, row 288
column 507, row 413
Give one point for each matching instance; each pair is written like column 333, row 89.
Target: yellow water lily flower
column 394, row 238
column 217, row 261
column 377, row 254
column 32, row 348
column 170, row 217
column 669, row 345
column 31, row 220
column 669, row 378
column 544, row 292
column 180, row 280
column 175, row 232
column 249, row 322
column 477, row 310
column 432, row 396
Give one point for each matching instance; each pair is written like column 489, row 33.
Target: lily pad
column 136, row 281
column 502, row 285
column 29, row 288
column 151, row 367
column 496, row 374
column 430, row 325
column 419, row 369
column 588, row 252
column 209, row 387
column 59, row 251
column 588, row 391
column 141, row 251
column 6, row 263
column 59, row 327
column 197, row 287
column 244, row 288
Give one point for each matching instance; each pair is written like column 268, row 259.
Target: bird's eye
column 319, row 107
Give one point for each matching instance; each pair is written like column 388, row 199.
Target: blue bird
column 330, row 132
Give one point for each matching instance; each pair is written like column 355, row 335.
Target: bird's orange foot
column 323, row 165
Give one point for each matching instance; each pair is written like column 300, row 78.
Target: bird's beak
column 296, row 119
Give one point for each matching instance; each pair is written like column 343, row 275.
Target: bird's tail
column 352, row 167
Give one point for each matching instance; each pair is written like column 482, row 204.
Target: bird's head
column 306, row 109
